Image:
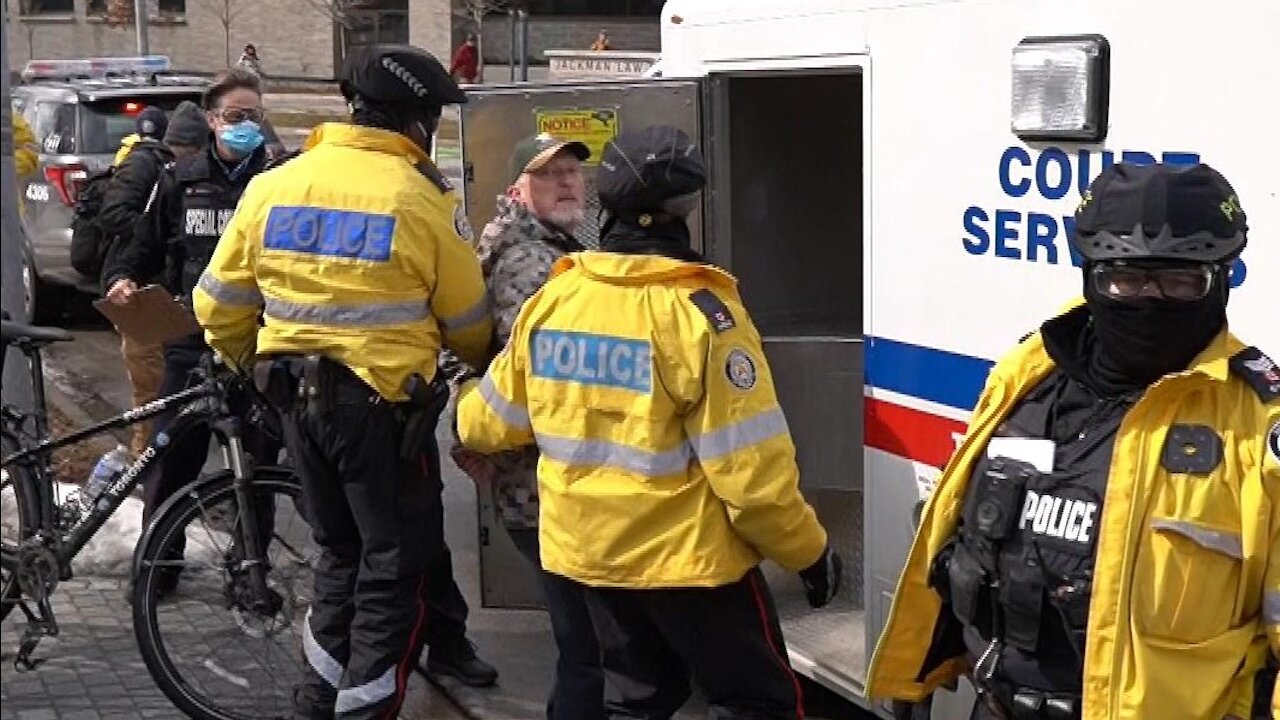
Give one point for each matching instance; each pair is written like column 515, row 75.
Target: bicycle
column 198, row 555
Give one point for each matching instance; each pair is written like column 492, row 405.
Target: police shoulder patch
column 1273, row 441
column 462, row 225
column 714, row 308
column 740, row 369
column 1259, row 371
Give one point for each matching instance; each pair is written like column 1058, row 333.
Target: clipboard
column 152, row 318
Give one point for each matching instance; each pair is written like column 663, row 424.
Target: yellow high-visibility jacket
column 126, row 147
column 352, row 252
column 1186, row 589
column 26, row 154
column 666, row 460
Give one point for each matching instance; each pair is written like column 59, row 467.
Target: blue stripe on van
column 928, row 373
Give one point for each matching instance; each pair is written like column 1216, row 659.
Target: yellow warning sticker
column 593, row 127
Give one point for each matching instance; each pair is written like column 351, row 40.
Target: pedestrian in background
column 533, row 229
column 667, row 471
column 601, row 41
column 249, row 60
column 1105, row 542
column 142, row 157
column 356, row 319
column 465, row 67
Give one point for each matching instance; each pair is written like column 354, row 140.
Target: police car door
column 495, row 119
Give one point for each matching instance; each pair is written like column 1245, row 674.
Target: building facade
column 307, row 39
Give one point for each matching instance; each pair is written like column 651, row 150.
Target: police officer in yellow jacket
column 667, row 470
column 1105, row 543
column 356, row 254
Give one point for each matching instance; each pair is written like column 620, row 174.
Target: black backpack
column 89, row 243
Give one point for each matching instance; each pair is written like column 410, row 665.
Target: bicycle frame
column 114, row 495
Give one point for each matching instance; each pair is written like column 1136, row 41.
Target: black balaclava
column 1134, row 343
column 394, row 118
column 648, row 233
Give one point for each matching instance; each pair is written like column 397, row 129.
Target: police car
column 79, row 111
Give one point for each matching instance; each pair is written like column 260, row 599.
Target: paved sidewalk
column 92, row 670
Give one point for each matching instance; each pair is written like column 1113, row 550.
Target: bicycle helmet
column 1160, row 212
column 399, row 76
column 641, row 169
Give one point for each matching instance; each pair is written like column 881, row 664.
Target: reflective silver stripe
column 228, row 294
column 376, row 690
column 1271, row 607
column 350, row 315
column 473, row 315
column 573, row 451
column 320, row 660
column 744, row 433
column 511, row 414
column 1208, row 538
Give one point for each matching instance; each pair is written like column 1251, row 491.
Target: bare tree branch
column 339, row 10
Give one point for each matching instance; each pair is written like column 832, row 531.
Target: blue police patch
column 332, row 233
column 592, row 359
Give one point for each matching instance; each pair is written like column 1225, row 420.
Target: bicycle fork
column 252, row 560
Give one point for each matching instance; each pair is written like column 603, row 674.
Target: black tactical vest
column 1022, row 567
column 209, row 200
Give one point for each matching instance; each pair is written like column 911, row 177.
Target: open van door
column 784, row 210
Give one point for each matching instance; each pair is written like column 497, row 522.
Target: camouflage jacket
column 516, row 254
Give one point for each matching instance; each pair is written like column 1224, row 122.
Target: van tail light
column 66, row 180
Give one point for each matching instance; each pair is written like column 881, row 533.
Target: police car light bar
column 1061, row 88
column 95, row 67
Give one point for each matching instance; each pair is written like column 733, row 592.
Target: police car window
column 105, row 123
column 54, row 127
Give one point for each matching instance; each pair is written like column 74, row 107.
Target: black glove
column 822, row 579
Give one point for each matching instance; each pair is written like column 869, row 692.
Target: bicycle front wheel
column 219, row 648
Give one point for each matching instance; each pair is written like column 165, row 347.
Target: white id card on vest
column 1037, row 452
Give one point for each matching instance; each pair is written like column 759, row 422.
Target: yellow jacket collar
column 1215, row 359
column 365, row 138
column 627, row 269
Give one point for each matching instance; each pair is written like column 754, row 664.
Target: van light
column 1061, row 88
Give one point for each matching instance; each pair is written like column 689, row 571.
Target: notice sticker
column 593, row 127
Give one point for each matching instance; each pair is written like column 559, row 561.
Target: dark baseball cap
column 536, row 151
column 640, row 170
column 1160, row 212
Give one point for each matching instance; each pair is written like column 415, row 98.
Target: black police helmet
column 640, row 169
column 398, row 76
column 1160, row 212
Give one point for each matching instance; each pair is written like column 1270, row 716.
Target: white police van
column 893, row 182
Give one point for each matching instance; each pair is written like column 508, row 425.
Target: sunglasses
column 1121, row 281
column 233, row 115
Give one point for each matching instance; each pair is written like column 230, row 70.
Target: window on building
column 46, row 7
column 124, row 8
column 370, row 22
column 640, row 8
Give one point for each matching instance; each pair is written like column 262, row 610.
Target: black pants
column 728, row 638
column 447, row 631
column 187, row 452
column 376, row 518
column 578, row 692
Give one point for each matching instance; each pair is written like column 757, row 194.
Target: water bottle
column 110, row 466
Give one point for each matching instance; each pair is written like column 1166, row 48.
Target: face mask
column 1139, row 341
column 242, row 138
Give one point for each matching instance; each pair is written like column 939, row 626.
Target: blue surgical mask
column 242, row 138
